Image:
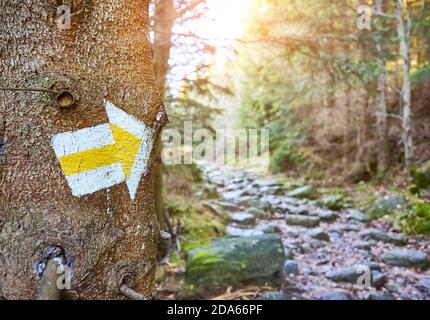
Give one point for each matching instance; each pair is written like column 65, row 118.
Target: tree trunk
column 381, row 106
column 164, row 18
column 403, row 30
column 108, row 238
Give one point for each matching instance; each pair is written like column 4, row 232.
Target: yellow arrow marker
column 124, row 151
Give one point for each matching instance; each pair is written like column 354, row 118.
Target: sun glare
column 226, row 19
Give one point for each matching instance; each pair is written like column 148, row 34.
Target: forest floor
column 326, row 249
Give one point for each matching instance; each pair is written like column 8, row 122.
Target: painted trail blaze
column 100, row 157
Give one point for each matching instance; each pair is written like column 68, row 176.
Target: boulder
column 386, row 206
column 305, row 192
column 273, row 295
column 332, row 202
column 227, row 261
column 291, row 267
column 380, row 296
column 258, row 213
column 243, row 218
column 242, row 232
column 303, row 221
column 327, row 215
column 337, row 295
column 319, row 235
column 387, row 237
column 424, row 286
column 406, row 258
column 354, row 274
column 358, row 215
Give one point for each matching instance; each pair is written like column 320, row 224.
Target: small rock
column 380, row 296
column 307, row 192
column 273, row 190
column 354, row 274
column 228, row 206
column 406, row 258
column 241, row 232
column 363, row 246
column 327, row 215
column 215, row 208
column 273, row 295
column 319, row 235
column 304, row 221
column 243, row 218
column 332, row 202
column 348, row 274
column 291, row 267
column 295, row 209
column 267, row 228
column 375, row 234
column 258, row 213
column 358, row 215
column 386, row 206
column 233, row 195
column 379, row 279
column 337, row 295
column 424, row 286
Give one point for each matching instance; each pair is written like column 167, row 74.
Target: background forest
column 343, row 87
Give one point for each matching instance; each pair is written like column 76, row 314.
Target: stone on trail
column 234, row 195
column 337, row 295
column 243, row 218
column 227, row 206
column 406, row 258
column 385, row 206
column 424, row 286
column 258, row 213
column 354, row 274
column 303, row 221
column 327, row 215
column 332, row 202
column 378, row 235
column 319, row 235
column 216, row 209
column 296, row 209
column 290, row 267
column 229, row 260
column 242, row 232
column 305, row 192
column 380, row 296
column 273, row 295
column 358, row 215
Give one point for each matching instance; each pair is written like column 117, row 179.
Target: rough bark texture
column 164, row 18
column 381, row 105
column 105, row 55
column 403, row 30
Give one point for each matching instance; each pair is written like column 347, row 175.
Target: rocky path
column 332, row 253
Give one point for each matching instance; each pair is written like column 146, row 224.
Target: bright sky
column 224, row 21
column 227, row 19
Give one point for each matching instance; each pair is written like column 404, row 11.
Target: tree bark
column 381, row 105
column 109, row 239
column 164, row 18
column 403, row 30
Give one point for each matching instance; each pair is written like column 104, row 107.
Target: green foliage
column 198, row 226
column 421, row 178
column 415, row 219
column 422, row 74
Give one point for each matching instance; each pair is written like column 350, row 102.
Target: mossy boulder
column 305, row 192
column 332, row 202
column 421, row 176
column 386, row 206
column 302, row 221
column 227, row 261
